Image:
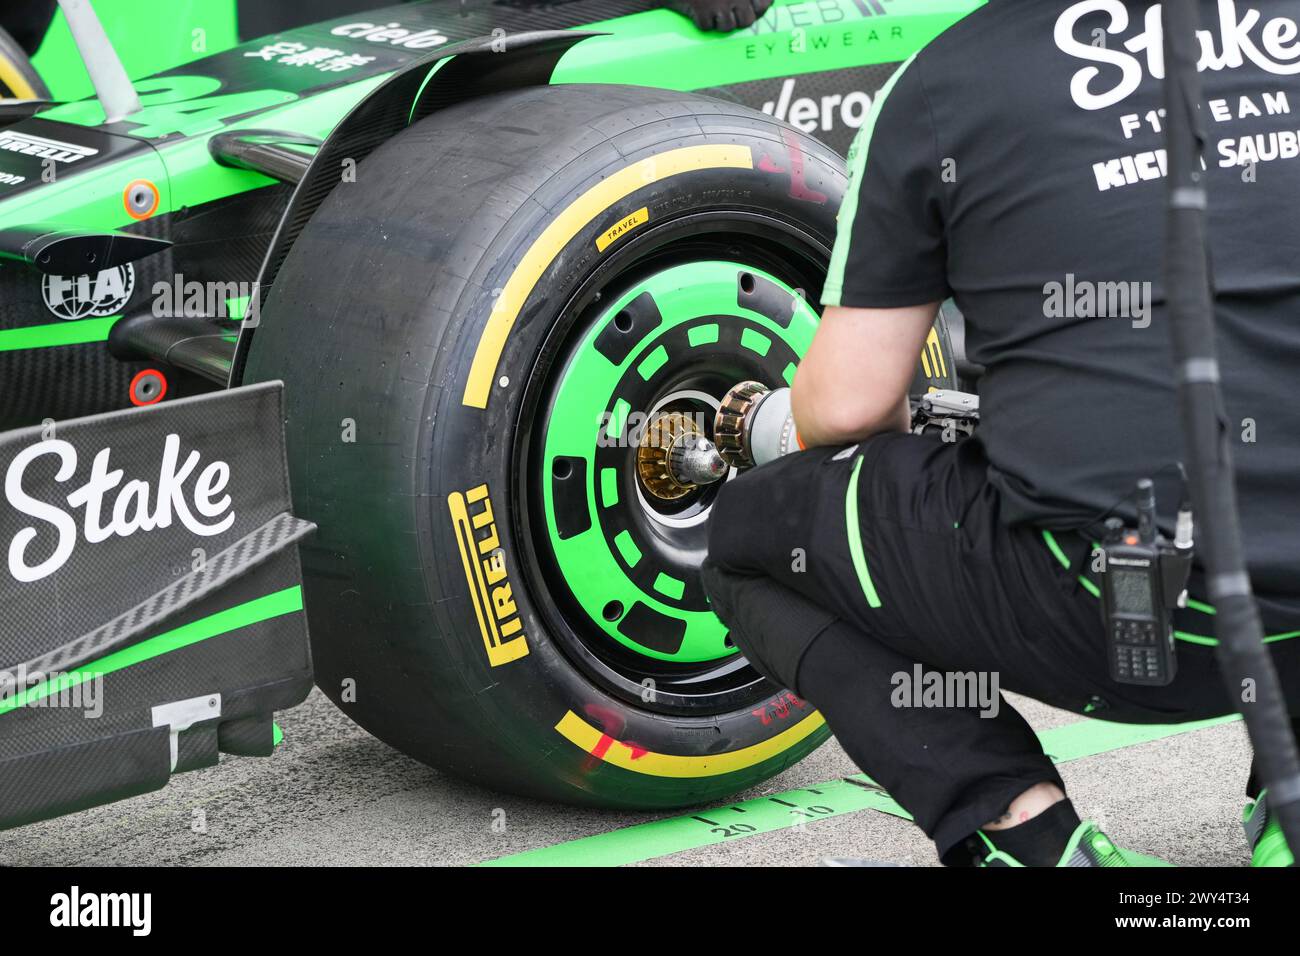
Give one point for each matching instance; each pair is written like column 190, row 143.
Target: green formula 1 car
column 498, row 253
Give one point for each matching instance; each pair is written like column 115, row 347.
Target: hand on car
column 721, row 16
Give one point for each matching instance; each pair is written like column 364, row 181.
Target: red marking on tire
column 611, row 723
column 610, row 720
column 778, row 708
column 606, row 741
column 799, row 188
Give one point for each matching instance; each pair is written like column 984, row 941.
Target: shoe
column 1087, row 846
column 1267, row 844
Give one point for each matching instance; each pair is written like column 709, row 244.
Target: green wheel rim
column 605, row 561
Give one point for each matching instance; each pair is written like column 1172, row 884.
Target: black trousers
column 838, row 570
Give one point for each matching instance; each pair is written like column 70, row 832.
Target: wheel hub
column 674, row 458
column 629, row 470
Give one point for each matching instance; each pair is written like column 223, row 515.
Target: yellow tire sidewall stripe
column 561, row 231
column 583, row 735
column 13, row 79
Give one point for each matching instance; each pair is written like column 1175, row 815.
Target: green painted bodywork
column 57, row 333
column 184, row 109
column 671, row 54
column 149, row 37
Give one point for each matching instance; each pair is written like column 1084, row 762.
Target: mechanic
column 997, row 167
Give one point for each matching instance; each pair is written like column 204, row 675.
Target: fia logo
column 86, row 297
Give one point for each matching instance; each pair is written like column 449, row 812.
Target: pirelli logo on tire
column 487, row 575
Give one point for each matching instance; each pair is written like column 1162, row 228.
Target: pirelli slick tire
column 18, row 79
column 472, row 335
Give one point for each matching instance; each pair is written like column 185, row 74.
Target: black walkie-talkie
column 1145, row 578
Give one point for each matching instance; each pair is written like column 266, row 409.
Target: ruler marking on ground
column 658, row 838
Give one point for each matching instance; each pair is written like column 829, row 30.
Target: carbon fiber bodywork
column 831, row 105
column 224, row 241
column 210, row 606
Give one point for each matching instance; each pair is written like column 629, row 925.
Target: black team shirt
column 1016, row 164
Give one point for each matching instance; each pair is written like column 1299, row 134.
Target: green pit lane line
column 796, row 808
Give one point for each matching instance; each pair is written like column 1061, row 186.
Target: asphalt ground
column 332, row 795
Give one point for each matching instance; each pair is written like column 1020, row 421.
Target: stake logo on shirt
column 1272, row 45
